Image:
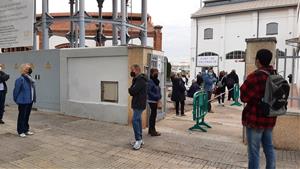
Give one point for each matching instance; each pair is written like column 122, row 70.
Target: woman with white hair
column 24, row 96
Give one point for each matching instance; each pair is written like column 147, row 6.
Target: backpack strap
column 266, row 72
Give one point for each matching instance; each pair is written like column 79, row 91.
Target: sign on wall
column 16, row 23
column 207, row 61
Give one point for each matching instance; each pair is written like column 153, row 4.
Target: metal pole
column 81, row 24
column 71, row 24
column 44, row 24
column 76, row 26
column 284, row 65
column 197, row 43
column 115, row 17
column 144, row 21
column 34, row 47
column 123, row 26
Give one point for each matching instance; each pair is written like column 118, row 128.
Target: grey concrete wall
column 45, row 65
column 82, row 71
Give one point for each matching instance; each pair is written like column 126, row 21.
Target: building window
column 236, row 55
column 208, row 54
column 208, row 33
column 272, row 28
column 109, row 91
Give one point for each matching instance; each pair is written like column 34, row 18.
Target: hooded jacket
column 154, row 92
column 138, row 91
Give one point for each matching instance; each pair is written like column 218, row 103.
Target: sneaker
column 183, row 115
column 133, row 142
column 2, row 122
column 22, row 135
column 137, row 145
column 29, row 133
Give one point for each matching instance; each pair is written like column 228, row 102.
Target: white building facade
column 221, row 27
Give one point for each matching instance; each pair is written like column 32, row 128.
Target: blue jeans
column 254, row 138
column 137, row 124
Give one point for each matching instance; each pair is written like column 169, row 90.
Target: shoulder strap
column 266, row 72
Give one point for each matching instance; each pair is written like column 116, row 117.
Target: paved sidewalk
column 70, row 142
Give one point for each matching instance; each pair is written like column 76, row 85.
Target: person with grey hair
column 138, row 91
column 3, row 90
column 24, row 95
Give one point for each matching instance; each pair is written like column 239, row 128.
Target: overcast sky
column 173, row 15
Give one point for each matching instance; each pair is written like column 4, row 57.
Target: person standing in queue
column 3, row 90
column 138, row 91
column 178, row 93
column 24, row 95
column 154, row 96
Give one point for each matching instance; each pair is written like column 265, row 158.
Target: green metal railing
column 200, row 103
column 236, row 95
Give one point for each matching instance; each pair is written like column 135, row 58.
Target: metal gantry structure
column 78, row 20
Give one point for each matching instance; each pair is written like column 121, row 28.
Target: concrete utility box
column 286, row 133
column 91, row 82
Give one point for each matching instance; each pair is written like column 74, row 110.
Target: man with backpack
column 259, row 125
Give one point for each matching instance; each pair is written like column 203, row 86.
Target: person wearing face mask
column 209, row 81
column 154, row 96
column 24, row 95
column 138, row 91
column 3, row 90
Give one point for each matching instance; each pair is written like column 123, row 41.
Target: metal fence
column 289, row 68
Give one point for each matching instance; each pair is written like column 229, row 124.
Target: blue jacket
column 22, row 92
column 208, row 82
column 154, row 94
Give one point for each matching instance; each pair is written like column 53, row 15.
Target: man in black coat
column 138, row 91
column 178, row 93
column 3, row 90
column 231, row 79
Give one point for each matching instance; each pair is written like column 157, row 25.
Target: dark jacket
column 178, row 91
column 3, row 78
column 23, row 93
column 231, row 79
column 154, row 92
column 221, row 80
column 193, row 89
column 138, row 91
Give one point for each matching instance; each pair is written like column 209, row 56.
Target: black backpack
column 275, row 100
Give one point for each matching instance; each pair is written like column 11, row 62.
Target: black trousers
column 230, row 93
column 209, row 93
column 222, row 97
column 181, row 106
column 23, row 117
column 152, row 119
column 2, row 103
